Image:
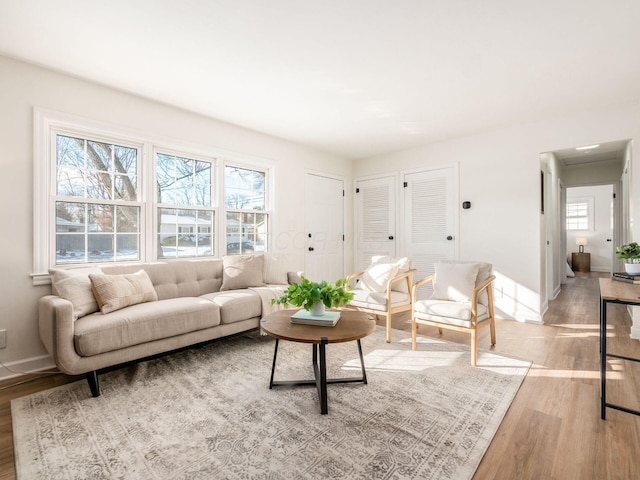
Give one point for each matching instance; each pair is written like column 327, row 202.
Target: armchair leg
column 492, row 327
column 414, row 334
column 388, row 328
column 474, row 348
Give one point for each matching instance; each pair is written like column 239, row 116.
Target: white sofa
column 192, row 301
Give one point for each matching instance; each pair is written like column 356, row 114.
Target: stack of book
column 625, row 277
column 329, row 319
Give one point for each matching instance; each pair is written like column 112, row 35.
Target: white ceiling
column 352, row 77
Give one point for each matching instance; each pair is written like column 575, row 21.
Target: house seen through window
column 245, row 203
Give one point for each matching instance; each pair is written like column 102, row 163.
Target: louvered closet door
column 430, row 219
column 375, row 207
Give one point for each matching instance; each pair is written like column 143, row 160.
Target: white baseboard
column 27, row 365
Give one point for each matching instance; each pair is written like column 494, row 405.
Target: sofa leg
column 94, row 384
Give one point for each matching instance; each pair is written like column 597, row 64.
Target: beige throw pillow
column 114, row 292
column 242, row 271
column 455, row 281
column 74, row 285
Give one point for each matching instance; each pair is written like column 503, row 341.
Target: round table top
column 352, row 325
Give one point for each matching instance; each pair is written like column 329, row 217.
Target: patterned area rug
column 208, row 413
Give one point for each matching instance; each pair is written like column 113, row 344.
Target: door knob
column 449, row 237
column 390, row 237
column 609, row 240
column 311, row 249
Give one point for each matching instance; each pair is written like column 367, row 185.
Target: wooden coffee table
column 352, row 326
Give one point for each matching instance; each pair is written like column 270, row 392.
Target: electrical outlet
column 3, row 339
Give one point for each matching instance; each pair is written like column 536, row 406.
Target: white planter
column 318, row 308
column 632, row 268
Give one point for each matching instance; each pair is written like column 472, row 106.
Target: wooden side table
column 581, row 262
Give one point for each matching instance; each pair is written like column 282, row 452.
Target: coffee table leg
column 322, row 390
column 273, row 367
column 364, row 373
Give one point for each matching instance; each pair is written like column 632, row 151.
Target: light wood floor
column 553, row 428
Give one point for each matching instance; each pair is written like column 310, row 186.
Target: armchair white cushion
column 455, row 282
column 462, row 299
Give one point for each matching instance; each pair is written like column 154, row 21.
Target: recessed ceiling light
column 588, row 147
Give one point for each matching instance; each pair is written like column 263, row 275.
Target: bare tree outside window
column 97, row 218
column 185, row 218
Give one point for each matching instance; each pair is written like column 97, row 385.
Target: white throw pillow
column 455, row 281
column 404, row 263
column 377, row 276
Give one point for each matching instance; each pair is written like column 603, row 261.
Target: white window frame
column 213, row 208
column 47, row 123
column 589, row 202
column 268, row 207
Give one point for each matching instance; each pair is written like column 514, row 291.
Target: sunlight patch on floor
column 537, row 371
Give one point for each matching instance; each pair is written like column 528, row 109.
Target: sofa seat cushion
column 378, row 300
column 236, row 305
column 99, row 333
column 444, row 311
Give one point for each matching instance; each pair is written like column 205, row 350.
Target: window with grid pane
column 97, row 212
column 246, row 210
column 578, row 216
column 185, row 216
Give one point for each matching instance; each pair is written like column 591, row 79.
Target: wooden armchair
column 388, row 295
column 452, row 307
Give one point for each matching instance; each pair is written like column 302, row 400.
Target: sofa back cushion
column 180, row 278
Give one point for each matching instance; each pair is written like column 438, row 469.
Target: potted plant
column 314, row 296
column 631, row 255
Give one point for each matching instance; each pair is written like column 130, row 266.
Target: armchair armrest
column 484, row 285
column 414, row 290
column 408, row 275
column 354, row 276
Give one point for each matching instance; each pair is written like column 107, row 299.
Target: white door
column 375, row 219
column 430, row 221
column 324, row 228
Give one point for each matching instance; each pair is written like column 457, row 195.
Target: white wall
column 25, row 87
column 500, row 175
column 601, row 251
